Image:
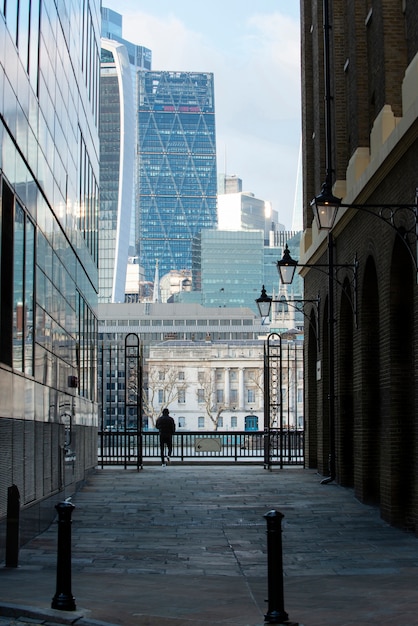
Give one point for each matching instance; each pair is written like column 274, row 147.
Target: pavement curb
column 51, row 616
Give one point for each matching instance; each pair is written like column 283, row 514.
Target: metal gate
column 120, row 429
column 283, row 434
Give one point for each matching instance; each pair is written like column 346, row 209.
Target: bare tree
column 205, row 393
column 164, row 380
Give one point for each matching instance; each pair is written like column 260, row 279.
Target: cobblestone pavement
column 186, row 546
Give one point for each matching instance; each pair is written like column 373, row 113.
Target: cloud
column 256, row 67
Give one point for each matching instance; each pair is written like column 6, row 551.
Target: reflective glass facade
column 177, row 182
column 49, row 173
column 231, row 267
column 117, row 150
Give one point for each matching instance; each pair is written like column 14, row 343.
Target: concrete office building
column 49, row 177
column 361, row 389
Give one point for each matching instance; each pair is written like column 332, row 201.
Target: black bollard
column 63, row 599
column 276, row 613
column 12, row 526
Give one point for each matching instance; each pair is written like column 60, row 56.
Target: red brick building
column 373, row 438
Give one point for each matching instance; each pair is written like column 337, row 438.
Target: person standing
column 167, row 428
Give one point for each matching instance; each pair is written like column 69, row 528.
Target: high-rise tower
column 117, row 151
column 177, row 182
column 120, row 59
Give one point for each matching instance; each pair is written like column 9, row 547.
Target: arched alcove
column 367, row 410
column 345, row 412
column 399, row 414
column 311, row 394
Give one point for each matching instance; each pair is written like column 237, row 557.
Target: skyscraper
column 120, row 59
column 117, row 152
column 177, row 181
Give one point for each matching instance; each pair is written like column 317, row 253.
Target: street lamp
column 264, row 303
column 286, row 267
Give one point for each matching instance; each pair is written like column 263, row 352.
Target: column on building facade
column 213, row 386
column 227, row 385
column 241, row 388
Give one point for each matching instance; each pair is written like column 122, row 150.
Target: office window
column 182, row 422
column 201, row 422
column 220, row 421
column 250, row 395
column 233, row 421
column 200, row 396
column 181, row 399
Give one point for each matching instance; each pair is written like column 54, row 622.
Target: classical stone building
column 369, row 441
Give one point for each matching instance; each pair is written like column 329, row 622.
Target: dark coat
column 166, row 425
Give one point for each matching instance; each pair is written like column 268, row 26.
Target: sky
column 253, row 49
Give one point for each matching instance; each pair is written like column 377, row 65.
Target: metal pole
column 63, row 599
column 276, row 613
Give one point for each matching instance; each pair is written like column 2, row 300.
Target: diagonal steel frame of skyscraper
column 177, row 181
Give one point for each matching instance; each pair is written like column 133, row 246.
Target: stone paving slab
column 186, row 546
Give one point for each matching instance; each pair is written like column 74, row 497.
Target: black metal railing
column 131, row 448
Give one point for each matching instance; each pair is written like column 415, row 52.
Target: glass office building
column 228, row 267
column 117, row 152
column 120, row 61
column 49, row 173
column 177, row 182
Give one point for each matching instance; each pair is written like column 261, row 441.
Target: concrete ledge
column 50, row 616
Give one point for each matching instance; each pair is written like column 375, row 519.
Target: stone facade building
column 373, row 149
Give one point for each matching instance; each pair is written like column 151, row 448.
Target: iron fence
column 133, row 448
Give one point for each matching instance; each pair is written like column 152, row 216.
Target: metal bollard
column 63, row 599
column 276, row 613
column 12, row 526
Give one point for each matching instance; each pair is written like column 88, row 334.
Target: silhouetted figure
column 167, row 428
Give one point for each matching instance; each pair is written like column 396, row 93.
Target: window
column 219, row 396
column 17, row 286
column 182, row 422
column 220, row 421
column 200, row 396
column 161, row 396
column 233, row 395
column 181, row 376
column 201, row 422
column 233, row 421
column 161, row 376
column 181, row 399
column 250, row 395
column 200, row 376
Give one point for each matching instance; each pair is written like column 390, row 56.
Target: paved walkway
column 186, row 546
